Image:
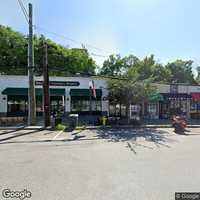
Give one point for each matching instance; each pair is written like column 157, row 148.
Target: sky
column 169, row 29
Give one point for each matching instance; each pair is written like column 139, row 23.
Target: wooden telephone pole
column 31, row 90
column 46, row 98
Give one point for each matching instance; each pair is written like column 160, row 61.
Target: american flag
column 91, row 86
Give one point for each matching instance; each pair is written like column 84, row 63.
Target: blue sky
column 169, row 29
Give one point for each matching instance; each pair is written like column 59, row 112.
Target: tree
column 160, row 73
column 198, row 74
column 181, row 72
column 129, row 91
column 147, row 68
column 62, row 61
column 113, row 66
column 13, row 52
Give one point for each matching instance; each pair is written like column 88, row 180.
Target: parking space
column 159, row 136
column 23, row 135
column 101, row 164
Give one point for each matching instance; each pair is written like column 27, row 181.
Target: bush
column 60, row 127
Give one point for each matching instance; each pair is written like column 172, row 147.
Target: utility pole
column 46, row 97
column 31, row 90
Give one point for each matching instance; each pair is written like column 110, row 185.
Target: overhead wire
column 24, row 10
column 74, row 41
column 36, row 27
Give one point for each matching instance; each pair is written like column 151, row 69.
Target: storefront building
column 67, row 95
column 177, row 99
column 168, row 100
column 72, row 95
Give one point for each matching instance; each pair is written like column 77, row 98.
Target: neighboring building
column 174, row 99
column 167, row 101
column 67, row 95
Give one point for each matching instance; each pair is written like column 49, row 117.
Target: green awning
column 156, row 97
column 84, row 92
column 38, row 91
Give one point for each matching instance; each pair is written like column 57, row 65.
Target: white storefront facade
column 68, row 94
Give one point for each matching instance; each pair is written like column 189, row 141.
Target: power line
column 98, row 55
column 74, row 41
column 23, row 10
column 61, row 35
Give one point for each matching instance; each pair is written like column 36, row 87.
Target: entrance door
column 164, row 110
column 57, row 104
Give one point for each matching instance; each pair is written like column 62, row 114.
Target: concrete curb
column 143, row 126
column 24, row 128
column 93, row 127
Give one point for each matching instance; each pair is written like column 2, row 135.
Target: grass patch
column 60, row 127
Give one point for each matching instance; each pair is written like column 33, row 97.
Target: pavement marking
column 57, row 135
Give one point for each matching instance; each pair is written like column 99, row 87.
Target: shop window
column 17, row 106
column 152, row 108
column 57, row 104
column 114, row 110
column 84, row 105
column 39, row 105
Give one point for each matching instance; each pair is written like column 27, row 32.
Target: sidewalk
column 100, row 127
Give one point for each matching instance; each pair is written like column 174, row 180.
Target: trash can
column 73, row 120
column 58, row 120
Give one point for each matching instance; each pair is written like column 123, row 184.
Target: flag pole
column 90, row 101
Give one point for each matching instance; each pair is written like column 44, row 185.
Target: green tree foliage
column 129, row 91
column 138, row 74
column 62, row 61
column 198, row 74
column 13, row 52
column 113, row 66
column 181, row 72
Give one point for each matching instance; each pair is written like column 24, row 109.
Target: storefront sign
column 59, row 83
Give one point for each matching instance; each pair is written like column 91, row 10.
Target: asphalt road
column 100, row 165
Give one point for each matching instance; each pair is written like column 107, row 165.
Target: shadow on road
column 121, row 135
column 131, row 136
column 11, row 131
column 20, row 134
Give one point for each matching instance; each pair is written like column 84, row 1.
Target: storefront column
column 188, row 109
column 3, row 105
column 67, row 101
column 68, row 104
column 105, row 106
column 143, row 108
column 158, row 110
